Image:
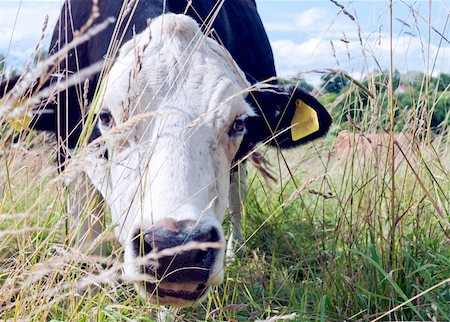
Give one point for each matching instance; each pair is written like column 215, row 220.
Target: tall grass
column 359, row 232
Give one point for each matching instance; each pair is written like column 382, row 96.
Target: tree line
column 416, row 96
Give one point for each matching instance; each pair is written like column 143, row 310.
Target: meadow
column 349, row 232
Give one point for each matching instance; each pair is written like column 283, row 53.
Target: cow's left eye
column 238, row 126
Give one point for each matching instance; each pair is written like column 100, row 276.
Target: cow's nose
column 192, row 265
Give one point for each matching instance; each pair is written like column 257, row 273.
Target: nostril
column 211, row 236
column 143, row 243
column 206, row 256
column 214, row 235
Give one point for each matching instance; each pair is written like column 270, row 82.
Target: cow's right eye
column 105, row 118
column 238, row 127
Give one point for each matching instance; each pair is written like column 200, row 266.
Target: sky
column 307, row 37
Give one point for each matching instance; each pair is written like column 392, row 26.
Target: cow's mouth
column 173, row 293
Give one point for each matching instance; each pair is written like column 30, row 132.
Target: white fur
column 176, row 164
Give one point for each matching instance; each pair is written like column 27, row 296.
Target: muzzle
column 181, row 256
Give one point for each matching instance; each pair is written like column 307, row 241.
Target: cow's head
column 181, row 102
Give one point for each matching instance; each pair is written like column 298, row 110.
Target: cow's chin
column 174, row 294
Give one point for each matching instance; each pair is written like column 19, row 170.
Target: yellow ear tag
column 305, row 121
column 21, row 122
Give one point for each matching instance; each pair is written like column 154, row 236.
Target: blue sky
column 307, row 36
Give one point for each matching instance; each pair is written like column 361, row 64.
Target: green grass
column 326, row 259
column 338, row 253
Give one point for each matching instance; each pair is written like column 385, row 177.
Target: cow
column 190, row 86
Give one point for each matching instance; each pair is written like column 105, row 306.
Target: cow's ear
column 286, row 117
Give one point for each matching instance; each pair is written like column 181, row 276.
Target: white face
column 166, row 179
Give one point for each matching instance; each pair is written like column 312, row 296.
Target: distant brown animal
column 375, row 147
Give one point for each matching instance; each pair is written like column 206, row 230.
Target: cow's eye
column 105, row 118
column 238, row 126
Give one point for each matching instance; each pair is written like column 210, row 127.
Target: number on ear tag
column 305, row 121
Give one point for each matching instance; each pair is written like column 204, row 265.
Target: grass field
column 356, row 232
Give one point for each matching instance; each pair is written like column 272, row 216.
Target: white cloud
column 279, row 26
column 318, row 54
column 316, row 21
column 313, row 19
